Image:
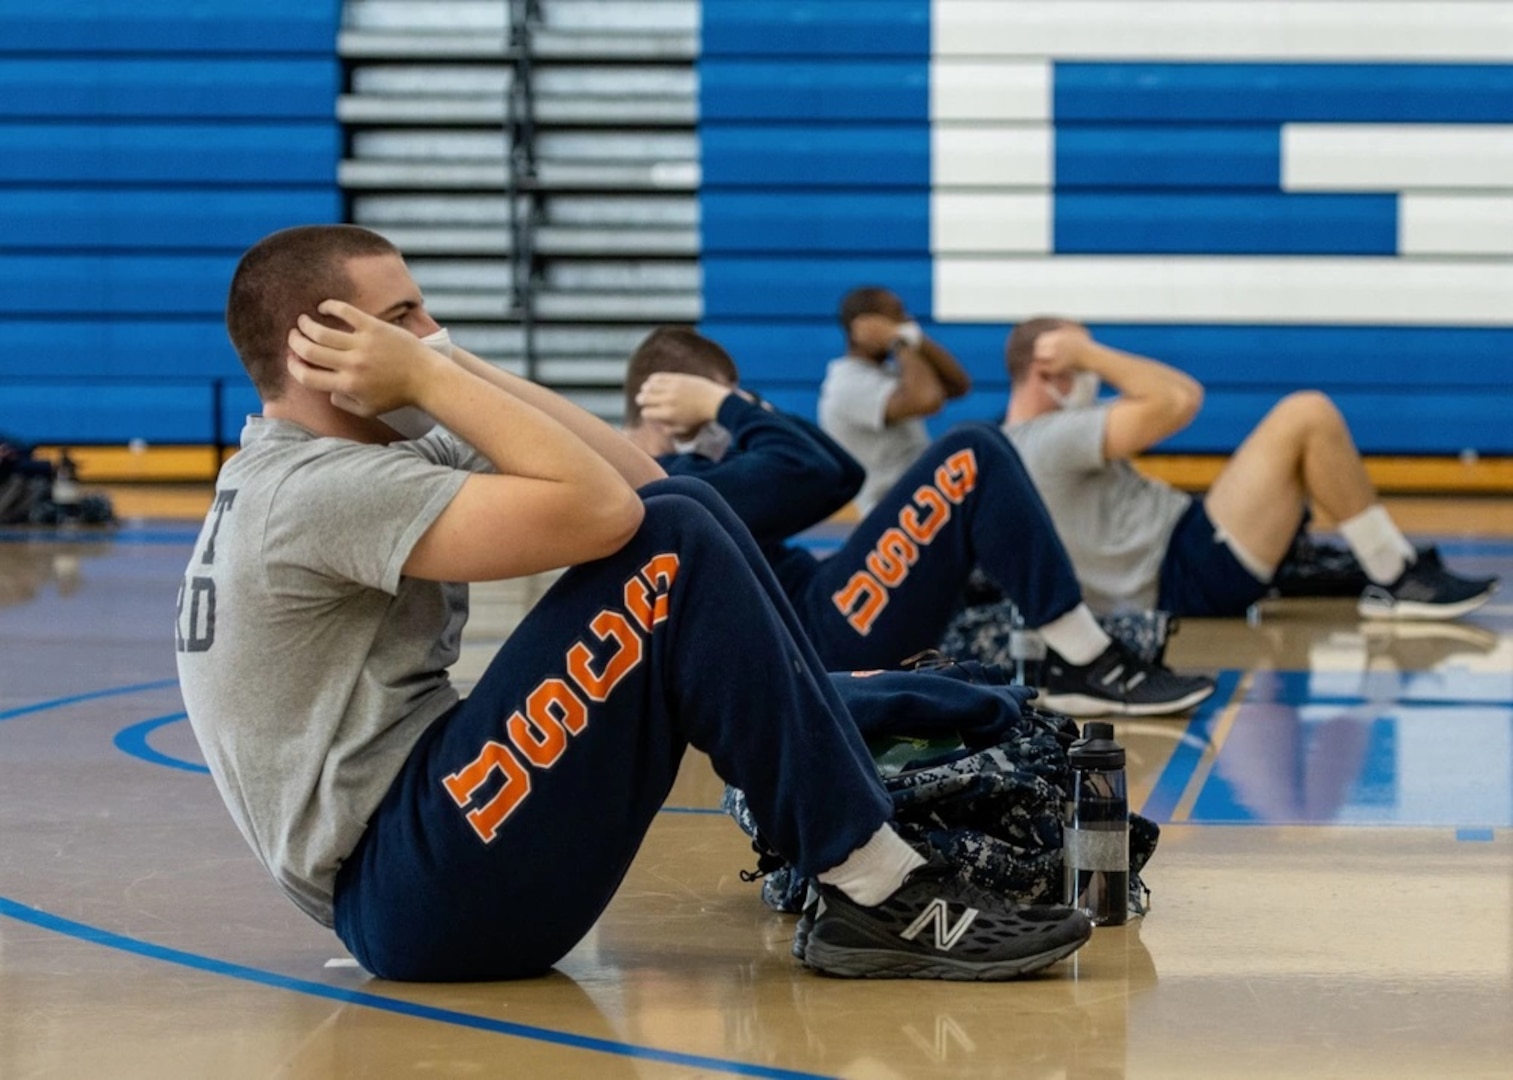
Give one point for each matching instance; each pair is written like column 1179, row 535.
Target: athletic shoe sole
column 1414, row 609
column 852, row 963
column 1086, row 705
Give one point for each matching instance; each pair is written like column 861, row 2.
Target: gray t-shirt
column 309, row 665
column 853, row 406
column 1114, row 522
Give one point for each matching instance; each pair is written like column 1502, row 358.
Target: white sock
column 1381, row 547
column 1076, row 636
column 874, row 871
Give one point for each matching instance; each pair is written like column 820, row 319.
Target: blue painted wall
column 143, row 146
column 822, row 128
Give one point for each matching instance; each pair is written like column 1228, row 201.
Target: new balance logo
column 938, row 915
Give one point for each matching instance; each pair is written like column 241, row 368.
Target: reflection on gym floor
column 1333, row 893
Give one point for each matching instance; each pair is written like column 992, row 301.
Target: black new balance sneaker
column 1426, row 590
column 937, row 926
column 1118, row 682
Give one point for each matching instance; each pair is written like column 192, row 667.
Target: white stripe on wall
column 1396, row 157
column 1455, row 225
column 1378, row 291
column 995, row 90
column 963, row 222
column 990, row 155
column 1460, row 30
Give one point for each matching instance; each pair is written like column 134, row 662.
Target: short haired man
column 1136, row 541
column 874, row 399
column 892, row 588
column 458, row 839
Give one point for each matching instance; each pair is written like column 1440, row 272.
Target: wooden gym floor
column 1333, row 893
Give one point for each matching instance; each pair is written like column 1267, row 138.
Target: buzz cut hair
column 283, row 276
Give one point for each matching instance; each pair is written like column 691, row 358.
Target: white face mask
column 711, row 441
column 1084, row 391
column 409, row 421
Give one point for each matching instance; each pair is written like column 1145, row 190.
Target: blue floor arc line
column 96, row 936
column 1163, row 799
column 93, row 695
column 138, row 537
column 132, row 740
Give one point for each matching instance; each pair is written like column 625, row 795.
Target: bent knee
column 986, row 440
column 1307, row 409
column 675, row 505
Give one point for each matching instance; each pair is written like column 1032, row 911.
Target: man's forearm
column 954, row 379
column 919, row 391
column 1136, row 376
column 632, row 463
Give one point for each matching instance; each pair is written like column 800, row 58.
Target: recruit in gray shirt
column 1114, row 522
column 853, row 411
column 309, row 665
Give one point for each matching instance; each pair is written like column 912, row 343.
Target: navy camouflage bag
column 975, row 769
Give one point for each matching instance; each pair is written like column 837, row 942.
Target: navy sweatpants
column 891, row 590
column 517, row 814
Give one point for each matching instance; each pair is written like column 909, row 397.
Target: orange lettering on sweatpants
column 891, row 558
column 551, row 711
column 958, row 475
column 926, row 498
column 900, row 547
column 661, row 571
column 554, row 710
column 861, row 601
column 606, row 625
column 465, row 782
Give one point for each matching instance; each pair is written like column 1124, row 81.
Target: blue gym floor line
column 55, row 703
column 1159, row 806
column 132, row 740
column 96, row 936
column 115, row 536
column 1163, row 799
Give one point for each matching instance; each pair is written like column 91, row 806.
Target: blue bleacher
column 143, row 146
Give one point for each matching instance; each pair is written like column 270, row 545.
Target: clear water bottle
column 1095, row 832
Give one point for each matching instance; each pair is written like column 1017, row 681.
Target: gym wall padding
column 143, row 147
column 1269, row 196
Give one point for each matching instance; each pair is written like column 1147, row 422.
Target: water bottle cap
column 1096, row 749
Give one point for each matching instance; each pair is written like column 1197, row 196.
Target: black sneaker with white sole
column 1426, row 590
column 936, row 926
column 1117, row 682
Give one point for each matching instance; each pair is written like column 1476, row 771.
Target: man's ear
column 330, row 320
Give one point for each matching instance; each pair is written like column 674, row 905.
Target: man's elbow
column 1189, row 401
column 618, row 520
column 922, row 402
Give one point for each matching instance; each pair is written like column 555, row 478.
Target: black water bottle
column 1095, row 832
